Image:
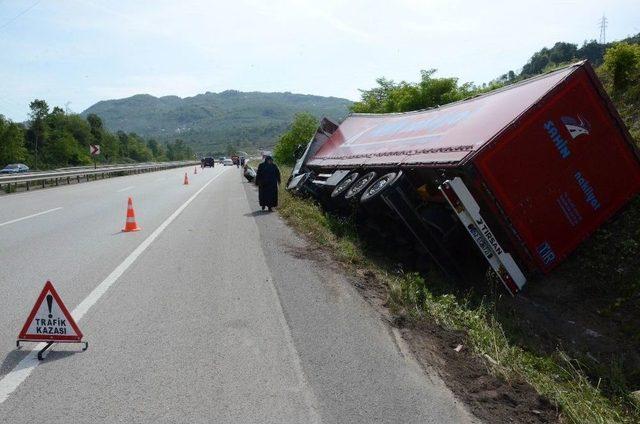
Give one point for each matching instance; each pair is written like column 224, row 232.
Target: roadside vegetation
column 605, row 269
column 416, row 297
column 55, row 138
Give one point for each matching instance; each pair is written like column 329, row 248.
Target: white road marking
column 30, row 216
column 25, row 367
column 124, row 189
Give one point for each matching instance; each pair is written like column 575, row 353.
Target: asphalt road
column 212, row 313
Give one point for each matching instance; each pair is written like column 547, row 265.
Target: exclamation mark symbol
column 49, row 304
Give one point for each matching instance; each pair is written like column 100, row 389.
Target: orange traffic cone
column 186, row 179
column 195, row 170
column 131, row 224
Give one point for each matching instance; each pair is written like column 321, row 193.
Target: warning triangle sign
column 50, row 320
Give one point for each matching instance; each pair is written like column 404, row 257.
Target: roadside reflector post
column 50, row 322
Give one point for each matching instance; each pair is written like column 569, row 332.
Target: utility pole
column 603, row 29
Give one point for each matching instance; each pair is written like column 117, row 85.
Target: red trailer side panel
column 444, row 135
column 562, row 172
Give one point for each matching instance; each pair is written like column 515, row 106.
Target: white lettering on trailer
column 489, row 236
column 468, row 212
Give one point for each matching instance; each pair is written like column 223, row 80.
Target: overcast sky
column 74, row 53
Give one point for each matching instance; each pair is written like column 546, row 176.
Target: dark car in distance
column 208, row 162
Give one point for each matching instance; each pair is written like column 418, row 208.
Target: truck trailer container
column 526, row 172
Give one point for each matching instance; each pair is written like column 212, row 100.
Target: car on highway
column 210, row 162
column 14, row 168
column 227, row 162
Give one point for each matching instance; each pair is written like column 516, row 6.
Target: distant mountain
column 211, row 121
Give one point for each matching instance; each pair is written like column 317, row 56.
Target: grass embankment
column 556, row 376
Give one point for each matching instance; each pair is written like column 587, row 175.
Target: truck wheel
column 359, row 186
column 343, row 185
column 379, row 186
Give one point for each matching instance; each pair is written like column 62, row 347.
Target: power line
column 11, row 20
column 603, row 29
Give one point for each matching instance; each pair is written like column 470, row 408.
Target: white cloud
column 87, row 50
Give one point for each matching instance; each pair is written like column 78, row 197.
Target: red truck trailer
column 529, row 171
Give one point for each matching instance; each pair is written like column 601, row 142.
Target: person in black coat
column 267, row 179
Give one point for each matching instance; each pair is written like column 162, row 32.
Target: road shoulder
column 358, row 366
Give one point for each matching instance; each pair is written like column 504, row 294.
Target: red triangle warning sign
column 50, row 320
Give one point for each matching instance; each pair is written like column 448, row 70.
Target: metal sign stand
column 49, row 344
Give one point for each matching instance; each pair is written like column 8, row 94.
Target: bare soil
column 556, row 312
column 488, row 397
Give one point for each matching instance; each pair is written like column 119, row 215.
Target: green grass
column 557, row 376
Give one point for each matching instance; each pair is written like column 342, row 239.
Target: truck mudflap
column 468, row 212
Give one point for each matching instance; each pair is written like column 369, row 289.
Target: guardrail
column 11, row 182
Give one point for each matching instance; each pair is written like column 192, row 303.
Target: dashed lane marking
column 29, row 216
column 124, row 189
column 10, row 382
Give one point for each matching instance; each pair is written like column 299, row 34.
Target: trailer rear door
column 562, row 172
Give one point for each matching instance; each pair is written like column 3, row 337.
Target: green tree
column 389, row 96
column 156, row 149
column 302, row 129
column 107, row 142
column 123, row 144
column 96, row 125
column 63, row 150
column 620, row 73
column 178, row 150
column 622, row 64
column 592, row 51
column 137, row 149
column 562, row 52
column 37, row 134
column 109, row 147
column 12, row 147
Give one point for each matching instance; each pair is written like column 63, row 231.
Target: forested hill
column 561, row 53
column 212, row 121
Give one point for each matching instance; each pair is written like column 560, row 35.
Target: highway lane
column 77, row 246
column 215, row 321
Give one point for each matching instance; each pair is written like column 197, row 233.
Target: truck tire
column 343, row 185
column 380, row 185
column 358, row 187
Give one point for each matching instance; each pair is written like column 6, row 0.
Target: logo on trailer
column 576, row 127
column 561, row 144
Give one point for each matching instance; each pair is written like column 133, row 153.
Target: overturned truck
column 520, row 176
